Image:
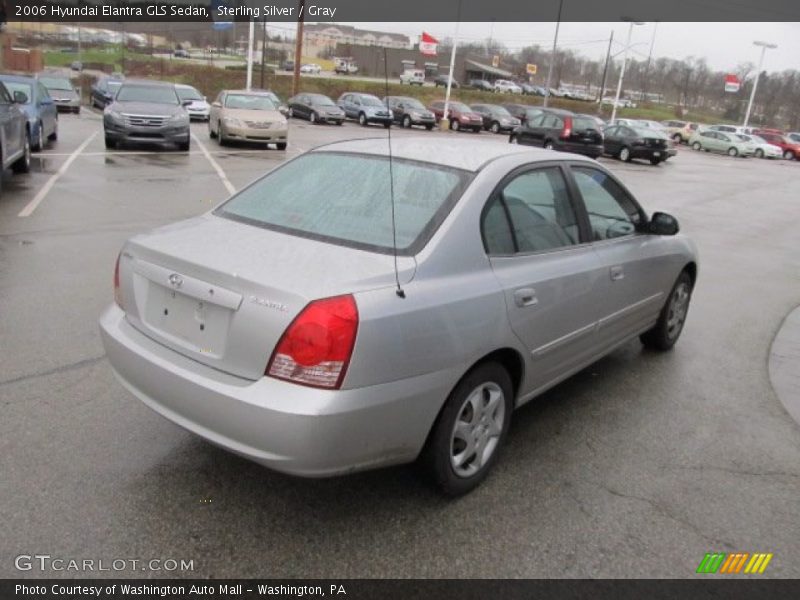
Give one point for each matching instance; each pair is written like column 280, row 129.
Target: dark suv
column 409, row 112
column 496, row 118
column 146, row 112
column 561, row 130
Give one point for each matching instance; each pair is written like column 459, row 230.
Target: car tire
column 548, row 145
column 759, row 153
column 221, row 136
column 313, row 118
column 387, row 124
column 654, row 161
column 362, row 119
column 625, row 154
column 53, row 137
column 429, row 127
column 677, row 138
column 733, row 152
column 470, row 430
column 512, row 139
column 670, row 322
column 184, row 146
column 455, row 125
column 289, row 113
column 788, row 155
column 339, row 123
column 23, row 163
column 495, row 127
column 407, row 122
column 37, row 146
column 111, row 144
column 211, row 133
column 697, row 146
column 281, row 145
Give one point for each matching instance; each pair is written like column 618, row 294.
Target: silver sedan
column 348, row 311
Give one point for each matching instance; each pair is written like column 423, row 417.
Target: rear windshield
column 346, row 199
column 584, row 123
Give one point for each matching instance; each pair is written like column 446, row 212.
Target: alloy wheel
column 678, row 308
column 477, row 429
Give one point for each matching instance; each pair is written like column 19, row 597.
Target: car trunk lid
column 223, row 292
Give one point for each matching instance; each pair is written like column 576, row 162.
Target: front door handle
column 525, row 297
column 617, row 273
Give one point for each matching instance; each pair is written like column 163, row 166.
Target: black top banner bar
column 402, row 11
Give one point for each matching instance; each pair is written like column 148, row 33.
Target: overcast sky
column 724, row 45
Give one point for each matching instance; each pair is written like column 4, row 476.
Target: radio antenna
column 399, row 291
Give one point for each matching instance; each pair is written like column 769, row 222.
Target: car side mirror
column 20, row 98
column 186, row 103
column 663, row 224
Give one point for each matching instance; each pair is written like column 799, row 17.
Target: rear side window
column 583, row 123
column 612, row 212
column 532, row 213
column 346, row 199
column 5, row 97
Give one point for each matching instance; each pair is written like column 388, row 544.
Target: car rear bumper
column 67, row 105
column 290, row 428
column 590, row 150
column 379, row 119
column 200, row 115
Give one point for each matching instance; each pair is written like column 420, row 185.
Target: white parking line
column 37, row 199
column 225, row 181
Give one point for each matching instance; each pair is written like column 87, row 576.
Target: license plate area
column 190, row 322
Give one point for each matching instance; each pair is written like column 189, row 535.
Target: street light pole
column 764, row 46
column 649, row 60
column 553, row 55
column 622, row 71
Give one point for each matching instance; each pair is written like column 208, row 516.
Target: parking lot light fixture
column 622, row 71
column 764, row 46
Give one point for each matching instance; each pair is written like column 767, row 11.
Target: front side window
column 347, row 199
column 612, row 212
column 538, row 213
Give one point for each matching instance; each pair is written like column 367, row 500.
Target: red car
column 461, row 116
column 791, row 149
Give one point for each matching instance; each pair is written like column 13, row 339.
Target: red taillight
column 117, row 292
column 315, row 349
column 567, row 131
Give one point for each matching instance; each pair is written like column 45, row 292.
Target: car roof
column 454, row 153
column 17, row 78
column 249, row 92
column 147, row 82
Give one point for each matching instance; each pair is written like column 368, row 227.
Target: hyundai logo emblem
column 176, row 280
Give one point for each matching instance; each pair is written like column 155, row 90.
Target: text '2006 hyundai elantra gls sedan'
column 349, row 310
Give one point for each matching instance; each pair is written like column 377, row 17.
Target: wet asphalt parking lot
column 635, row 467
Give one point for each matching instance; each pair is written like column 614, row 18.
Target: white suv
column 413, row 77
column 504, row 86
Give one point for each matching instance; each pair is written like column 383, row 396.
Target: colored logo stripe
column 722, row 562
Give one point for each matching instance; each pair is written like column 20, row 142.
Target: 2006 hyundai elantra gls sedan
column 296, row 326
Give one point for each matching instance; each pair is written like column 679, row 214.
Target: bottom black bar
column 405, row 589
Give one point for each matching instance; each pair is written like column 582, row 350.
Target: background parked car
column 790, row 148
column 441, row 80
column 146, row 112
column 38, row 106
column 247, row 116
column 316, row 108
column 503, row 86
column 794, row 136
column 461, row 116
column 103, row 91
column 76, row 65
column 61, row 91
column 311, row 68
column 196, row 104
column 523, row 112
column 680, row 131
column 180, row 53
column 287, row 65
column 15, row 147
column 413, row 77
column 365, row 108
column 627, row 143
column 561, row 130
column 719, row 141
column 481, row 84
column 496, row 118
column 409, row 112
column 763, row 148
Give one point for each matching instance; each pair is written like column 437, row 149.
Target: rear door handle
column 525, row 297
column 617, row 273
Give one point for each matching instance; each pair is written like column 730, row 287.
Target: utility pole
column 446, row 118
column 298, row 46
column 263, row 53
column 649, row 60
column 553, row 55
column 605, row 74
column 250, row 38
column 622, row 72
column 764, row 46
